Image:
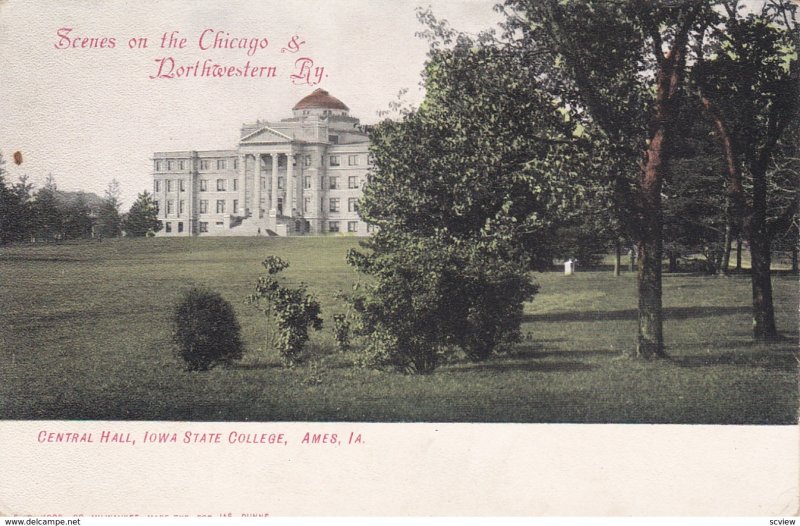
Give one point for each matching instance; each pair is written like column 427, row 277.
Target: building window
column 203, row 226
column 370, row 227
column 169, row 166
column 157, row 187
column 180, row 226
column 307, row 182
column 334, row 204
column 306, row 160
column 170, row 207
column 181, row 205
column 182, row 185
column 169, row 184
column 280, row 183
column 235, row 206
column 333, row 226
column 370, row 158
column 155, row 205
column 168, row 226
column 236, row 185
column 203, row 206
column 322, row 183
column 181, row 165
column 352, row 160
column 334, row 160
column 352, row 226
column 203, row 185
column 158, row 166
column 235, row 163
column 220, row 206
column 220, row 164
column 333, row 139
column 220, row 185
column 334, row 183
column 352, row 182
column 306, row 205
column 352, row 204
column 204, row 164
column 219, row 224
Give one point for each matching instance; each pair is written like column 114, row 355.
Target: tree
column 109, row 223
column 622, row 66
column 46, row 212
column 749, row 86
column 11, row 210
column 142, row 217
column 77, row 221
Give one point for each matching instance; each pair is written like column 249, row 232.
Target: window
column 155, row 205
column 157, row 187
column 181, row 205
column 204, row 164
column 203, row 226
column 334, row 160
column 352, row 226
column 170, row 207
column 352, row 181
column 333, row 226
column 220, row 185
column 352, row 160
column 306, row 205
column 168, row 227
column 235, row 163
column 352, row 204
column 370, row 159
column 322, row 183
column 306, row 160
column 307, row 182
column 203, row 185
column 181, row 165
column 236, row 185
column 169, row 185
column 220, row 164
column 334, row 183
column 203, row 206
column 219, row 224
column 220, row 206
column 370, row 227
column 280, row 183
column 180, row 226
column 334, row 139
column 235, row 206
column 158, row 166
column 334, row 204
column 169, row 166
column 182, row 185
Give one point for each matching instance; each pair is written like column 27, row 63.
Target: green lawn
column 85, row 335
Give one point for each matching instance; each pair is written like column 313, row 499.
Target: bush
column 290, row 311
column 341, row 332
column 205, row 330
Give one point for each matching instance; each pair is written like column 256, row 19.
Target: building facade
column 302, row 175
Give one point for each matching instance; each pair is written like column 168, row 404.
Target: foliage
column 341, row 332
column 142, row 217
column 290, row 311
column 205, row 330
column 109, row 222
column 11, row 209
column 428, row 297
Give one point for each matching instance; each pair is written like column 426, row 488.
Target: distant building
column 301, row 175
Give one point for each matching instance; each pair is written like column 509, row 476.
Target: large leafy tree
column 622, row 67
column 749, row 86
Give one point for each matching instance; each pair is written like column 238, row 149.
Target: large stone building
column 302, row 175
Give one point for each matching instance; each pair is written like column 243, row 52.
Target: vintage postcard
column 398, row 258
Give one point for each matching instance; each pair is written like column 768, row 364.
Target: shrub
column 341, row 332
column 205, row 330
column 290, row 311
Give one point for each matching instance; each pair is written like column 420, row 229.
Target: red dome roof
column 320, row 99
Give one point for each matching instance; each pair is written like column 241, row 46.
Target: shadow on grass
column 670, row 313
column 786, row 362
column 500, row 367
column 254, row 366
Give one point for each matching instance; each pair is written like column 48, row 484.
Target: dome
column 320, row 99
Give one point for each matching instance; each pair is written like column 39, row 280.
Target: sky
column 90, row 115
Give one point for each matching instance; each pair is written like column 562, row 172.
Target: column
column 257, row 187
column 290, row 191
column 300, row 179
column 273, row 211
column 242, row 184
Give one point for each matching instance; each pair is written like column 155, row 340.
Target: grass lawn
column 85, row 335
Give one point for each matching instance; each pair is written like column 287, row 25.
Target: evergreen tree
column 109, row 223
column 142, row 217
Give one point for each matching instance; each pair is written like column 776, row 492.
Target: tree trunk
column 739, row 254
column 794, row 258
column 673, row 262
column 632, row 263
column 760, row 259
column 726, row 247
column 617, row 258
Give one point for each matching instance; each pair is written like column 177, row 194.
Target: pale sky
column 91, row 115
